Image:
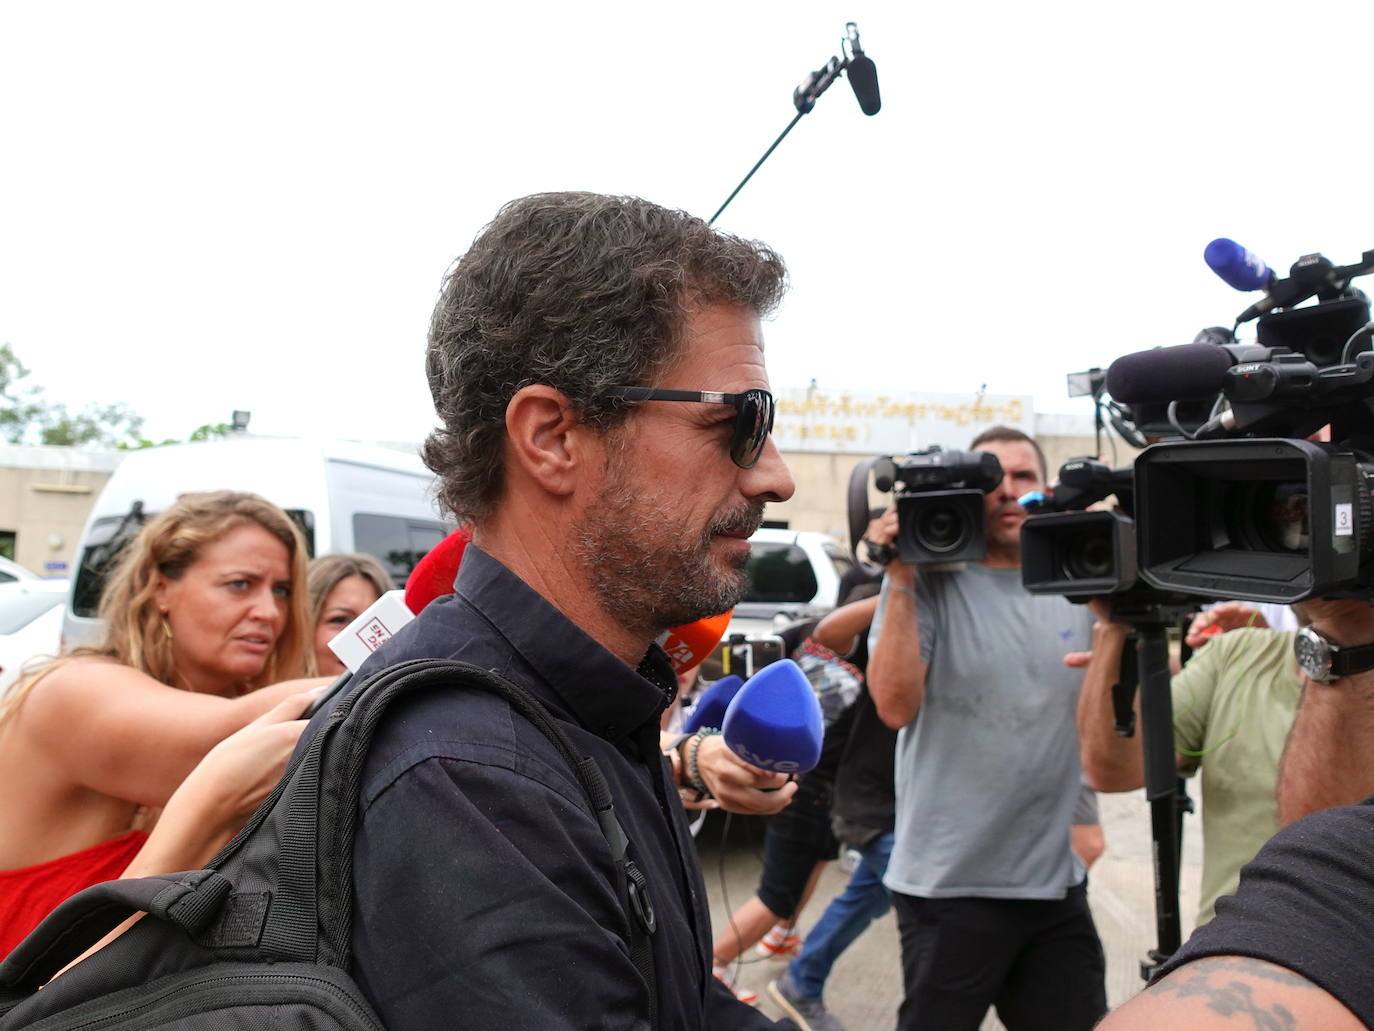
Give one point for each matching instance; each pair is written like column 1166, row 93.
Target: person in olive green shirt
column 1234, row 704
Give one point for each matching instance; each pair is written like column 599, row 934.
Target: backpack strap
column 188, row 900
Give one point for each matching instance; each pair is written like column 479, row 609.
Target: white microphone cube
column 372, row 629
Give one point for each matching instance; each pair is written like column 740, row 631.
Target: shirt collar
column 597, row 688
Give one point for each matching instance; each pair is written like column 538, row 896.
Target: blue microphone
column 1238, row 267
column 709, row 710
column 774, row 722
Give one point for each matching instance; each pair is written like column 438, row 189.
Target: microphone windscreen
column 689, row 645
column 774, row 722
column 434, row 574
column 863, row 80
column 709, row 710
column 1236, row 266
column 1182, row 373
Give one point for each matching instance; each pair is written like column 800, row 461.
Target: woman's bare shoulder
column 85, row 680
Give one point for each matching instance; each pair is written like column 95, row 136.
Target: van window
column 779, row 573
column 98, row 558
column 396, row 542
column 106, row 542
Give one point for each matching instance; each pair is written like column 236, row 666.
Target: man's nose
column 769, row 479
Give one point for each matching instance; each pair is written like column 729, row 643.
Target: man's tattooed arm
column 1233, row 993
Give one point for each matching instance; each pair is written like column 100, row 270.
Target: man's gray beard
column 646, row 580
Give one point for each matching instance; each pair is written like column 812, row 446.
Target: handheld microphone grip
column 709, row 711
column 774, row 722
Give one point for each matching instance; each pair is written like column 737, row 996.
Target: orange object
column 688, row 645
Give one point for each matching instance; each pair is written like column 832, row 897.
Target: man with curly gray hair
column 597, row 367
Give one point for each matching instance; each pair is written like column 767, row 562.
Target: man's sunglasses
column 753, row 415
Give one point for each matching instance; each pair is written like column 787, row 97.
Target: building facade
column 46, row 493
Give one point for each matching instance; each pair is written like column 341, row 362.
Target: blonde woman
column 205, row 618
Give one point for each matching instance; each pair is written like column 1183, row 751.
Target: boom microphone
column 774, row 722
column 863, row 75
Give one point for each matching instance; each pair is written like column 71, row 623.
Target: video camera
column 1273, row 516
column 1066, row 550
column 939, row 496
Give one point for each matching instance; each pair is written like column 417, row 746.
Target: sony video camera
column 1272, row 516
column 939, row 496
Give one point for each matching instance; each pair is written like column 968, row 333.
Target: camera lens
column 1270, row 516
column 1089, row 558
column 941, row 528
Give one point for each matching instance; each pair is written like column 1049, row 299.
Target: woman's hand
column 224, row 789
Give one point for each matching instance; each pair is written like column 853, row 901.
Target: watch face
column 1313, row 654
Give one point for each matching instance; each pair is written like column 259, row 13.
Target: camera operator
column 1233, row 705
column 991, row 902
column 1291, row 948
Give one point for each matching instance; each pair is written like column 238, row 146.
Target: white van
column 345, row 497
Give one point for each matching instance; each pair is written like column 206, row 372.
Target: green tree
column 20, row 405
column 111, row 425
column 207, row 431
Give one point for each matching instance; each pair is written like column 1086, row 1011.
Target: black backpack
column 262, row 937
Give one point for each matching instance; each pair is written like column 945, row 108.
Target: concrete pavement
column 865, row 989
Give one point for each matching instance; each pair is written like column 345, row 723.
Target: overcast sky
column 250, row 205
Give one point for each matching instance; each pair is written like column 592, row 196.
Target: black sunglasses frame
column 754, row 409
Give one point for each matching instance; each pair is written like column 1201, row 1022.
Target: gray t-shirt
column 987, row 774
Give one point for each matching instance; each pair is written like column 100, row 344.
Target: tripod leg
column 1161, row 789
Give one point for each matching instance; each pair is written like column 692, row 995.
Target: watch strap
column 1355, row 659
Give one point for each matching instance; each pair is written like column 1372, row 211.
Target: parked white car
column 793, row 575
column 30, row 624
column 11, row 572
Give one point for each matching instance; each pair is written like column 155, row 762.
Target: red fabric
column 30, row 893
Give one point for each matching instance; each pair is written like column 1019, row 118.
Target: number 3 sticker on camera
column 1345, row 520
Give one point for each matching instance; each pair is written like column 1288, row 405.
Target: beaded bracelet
column 693, row 772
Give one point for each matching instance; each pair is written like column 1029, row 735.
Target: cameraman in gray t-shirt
column 991, row 902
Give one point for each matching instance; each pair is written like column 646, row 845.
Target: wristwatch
column 1324, row 661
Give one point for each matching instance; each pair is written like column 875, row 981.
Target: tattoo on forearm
column 1227, row 984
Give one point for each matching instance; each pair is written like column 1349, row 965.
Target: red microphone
column 434, row 574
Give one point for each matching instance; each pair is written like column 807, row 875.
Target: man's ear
column 546, row 439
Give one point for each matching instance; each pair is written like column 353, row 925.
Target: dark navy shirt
column 485, row 893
